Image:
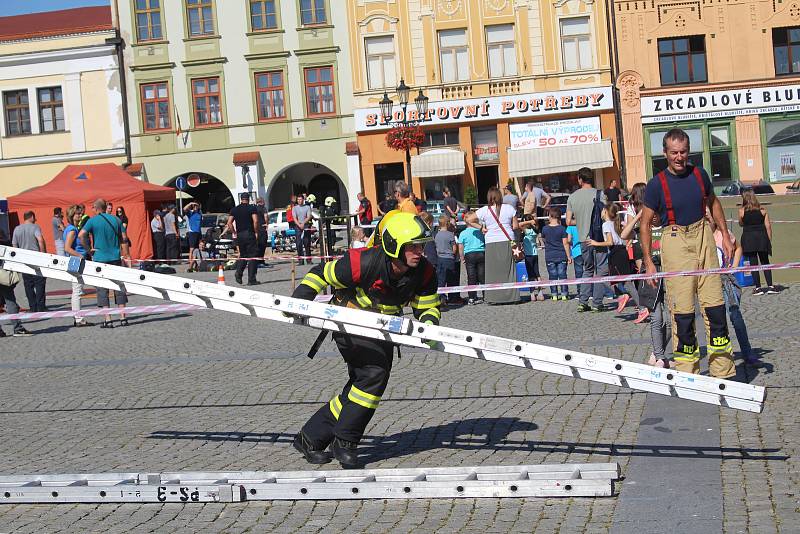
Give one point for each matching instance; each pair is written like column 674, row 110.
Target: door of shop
column 486, row 177
column 386, row 175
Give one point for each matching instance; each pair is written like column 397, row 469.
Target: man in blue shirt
column 194, row 216
column 110, row 246
column 679, row 195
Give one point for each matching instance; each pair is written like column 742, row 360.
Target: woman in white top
column 498, row 222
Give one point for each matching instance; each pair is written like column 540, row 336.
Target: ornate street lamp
column 421, row 103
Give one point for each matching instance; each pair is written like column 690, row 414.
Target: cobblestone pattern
column 229, row 392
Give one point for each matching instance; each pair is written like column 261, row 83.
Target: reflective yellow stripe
column 433, row 312
column 314, row 282
column 389, row 309
column 687, row 354
column 431, row 301
column 335, row 406
column 427, row 299
column 363, row 398
column 720, row 345
column 330, row 275
column 362, row 298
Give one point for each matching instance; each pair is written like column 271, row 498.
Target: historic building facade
column 516, row 89
column 727, row 72
column 60, row 95
column 240, row 96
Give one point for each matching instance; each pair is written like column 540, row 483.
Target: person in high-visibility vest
column 382, row 279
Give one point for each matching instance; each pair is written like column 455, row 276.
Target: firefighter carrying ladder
column 398, row 330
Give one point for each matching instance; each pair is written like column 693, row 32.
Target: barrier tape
column 132, row 310
column 265, row 258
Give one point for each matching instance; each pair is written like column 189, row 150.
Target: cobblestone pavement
column 215, row 391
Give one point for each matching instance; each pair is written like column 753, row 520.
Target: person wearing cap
column 381, row 279
column 245, row 218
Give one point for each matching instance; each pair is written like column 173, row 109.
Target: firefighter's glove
column 435, row 345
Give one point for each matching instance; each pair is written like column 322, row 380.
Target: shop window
column 786, row 50
column 155, row 106
column 500, row 51
column 148, row 20
column 51, row 109
column 710, row 147
column 783, row 149
column 17, row 112
column 682, row 60
column 207, row 101
column 381, row 71
column 453, row 55
column 201, row 17
column 659, row 161
column 319, row 91
column 312, row 12
column 269, row 95
column 434, row 190
column 441, row 138
column 386, row 175
column 263, row 15
column 576, row 44
column 484, row 145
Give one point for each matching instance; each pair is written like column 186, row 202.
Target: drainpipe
column 119, row 45
column 611, row 27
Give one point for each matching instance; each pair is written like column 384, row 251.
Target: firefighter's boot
column 346, row 452
column 312, row 455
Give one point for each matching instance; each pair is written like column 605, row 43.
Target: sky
column 19, row 7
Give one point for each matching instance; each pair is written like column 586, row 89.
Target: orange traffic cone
column 221, row 276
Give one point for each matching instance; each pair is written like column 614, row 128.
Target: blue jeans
column 445, row 268
column 595, row 263
column 577, row 264
column 557, row 270
column 733, row 296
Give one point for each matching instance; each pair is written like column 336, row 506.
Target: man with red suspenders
column 679, row 195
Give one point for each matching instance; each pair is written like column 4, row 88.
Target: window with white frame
column 576, row 44
column 380, row 62
column 500, row 50
column 453, row 55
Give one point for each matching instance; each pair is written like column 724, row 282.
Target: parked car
column 793, row 189
column 436, row 209
column 736, row 188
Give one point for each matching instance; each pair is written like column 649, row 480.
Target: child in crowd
column 472, row 251
column 618, row 262
column 430, row 247
column 577, row 253
column 357, row 237
column 732, row 293
column 556, row 253
column 198, row 261
column 530, row 238
column 446, row 250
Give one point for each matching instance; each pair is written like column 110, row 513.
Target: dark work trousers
column 303, row 238
column 159, row 246
column 476, row 270
column 34, row 291
column 248, row 248
column 369, row 363
column 262, row 244
column 754, row 258
column 173, row 246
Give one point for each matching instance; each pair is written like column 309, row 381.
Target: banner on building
column 511, row 107
column 579, row 131
column 723, row 103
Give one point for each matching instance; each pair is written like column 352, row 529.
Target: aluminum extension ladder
column 567, row 480
column 399, row 330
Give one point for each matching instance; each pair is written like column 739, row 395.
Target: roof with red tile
column 53, row 23
column 240, row 158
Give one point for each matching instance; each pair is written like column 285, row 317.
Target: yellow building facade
column 517, row 89
column 726, row 72
column 60, row 98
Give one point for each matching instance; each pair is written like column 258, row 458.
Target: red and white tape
column 132, row 310
column 265, row 258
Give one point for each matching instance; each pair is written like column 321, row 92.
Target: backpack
column 596, row 226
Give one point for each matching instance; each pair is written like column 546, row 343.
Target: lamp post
column 421, row 102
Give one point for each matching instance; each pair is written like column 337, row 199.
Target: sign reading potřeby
column 723, row 103
column 527, row 105
column 578, row 131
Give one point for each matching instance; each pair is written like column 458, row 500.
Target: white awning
column 535, row 161
column 438, row 162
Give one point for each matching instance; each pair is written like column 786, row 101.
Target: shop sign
column 545, row 134
column 528, row 105
column 484, row 145
column 725, row 103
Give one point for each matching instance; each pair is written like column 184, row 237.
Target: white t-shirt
column 494, row 233
column 608, row 228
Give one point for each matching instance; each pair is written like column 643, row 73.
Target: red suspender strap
column 696, row 172
column 667, row 198
column 355, row 264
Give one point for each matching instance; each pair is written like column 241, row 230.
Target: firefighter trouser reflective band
column 369, row 363
column 686, row 248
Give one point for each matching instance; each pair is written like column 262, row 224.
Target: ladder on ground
column 395, row 329
column 567, row 480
